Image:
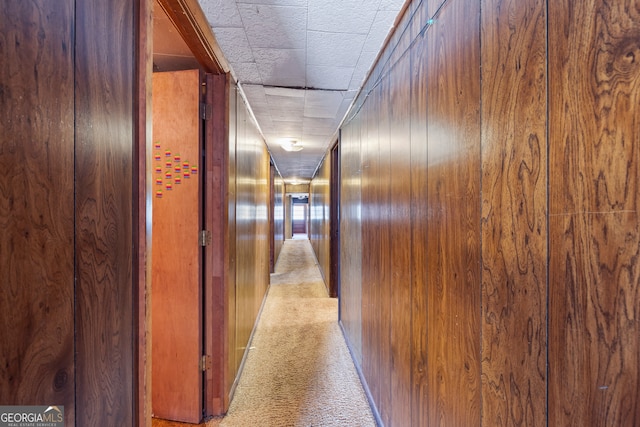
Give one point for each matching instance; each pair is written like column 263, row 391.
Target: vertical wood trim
column 216, row 258
column 143, row 200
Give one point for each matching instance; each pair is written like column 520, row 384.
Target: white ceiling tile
column 247, row 72
column 286, row 45
column 234, row 42
column 221, row 13
column 337, row 49
column 281, row 67
column 299, row 3
column 284, row 91
column 345, row 16
column 361, row 70
column 318, row 127
column 391, row 5
column 322, row 104
column 323, row 77
column 282, row 27
column 381, row 27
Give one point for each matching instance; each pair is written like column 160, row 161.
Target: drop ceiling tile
column 318, row 127
column 391, row 5
column 380, row 28
column 299, row 3
column 247, row 72
column 221, row 13
column 289, row 128
column 268, row 26
column 256, row 93
column 284, row 91
column 281, row 67
column 334, row 49
column 346, row 16
column 233, row 41
column 323, row 77
column 322, row 104
column 361, row 70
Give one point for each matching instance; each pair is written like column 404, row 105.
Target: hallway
column 298, row 371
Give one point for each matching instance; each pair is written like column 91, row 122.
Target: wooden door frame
column 334, row 221
column 191, row 23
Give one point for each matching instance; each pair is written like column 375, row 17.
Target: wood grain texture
column 371, row 249
column 453, row 137
column 351, row 238
column 382, row 97
column 36, row 204
column 401, row 247
column 251, row 227
column 278, row 212
column 593, row 191
column 230, row 240
column 142, row 196
column 216, row 256
column 104, row 90
column 320, row 220
column 419, row 218
column 177, row 294
column 514, row 208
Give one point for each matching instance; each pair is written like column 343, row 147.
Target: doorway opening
column 300, row 216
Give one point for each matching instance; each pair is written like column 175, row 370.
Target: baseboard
column 248, row 347
column 363, row 381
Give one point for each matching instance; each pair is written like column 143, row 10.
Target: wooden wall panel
column 104, row 90
column 382, row 96
column 419, row 216
column 233, row 362
column 400, row 248
column 351, row 247
column 278, row 213
column 320, row 220
column 520, row 262
column 454, row 222
column 216, row 267
column 36, row 204
column 251, row 227
column 514, row 207
column 594, row 332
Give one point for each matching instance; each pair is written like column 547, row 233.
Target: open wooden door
column 176, row 255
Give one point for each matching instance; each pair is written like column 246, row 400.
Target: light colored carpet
column 298, row 371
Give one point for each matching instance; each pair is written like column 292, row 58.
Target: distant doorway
column 300, row 217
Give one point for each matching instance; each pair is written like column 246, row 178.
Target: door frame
column 192, row 25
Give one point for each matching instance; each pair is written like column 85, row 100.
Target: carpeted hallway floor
column 298, row 371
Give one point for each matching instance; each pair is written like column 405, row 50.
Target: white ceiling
column 300, row 63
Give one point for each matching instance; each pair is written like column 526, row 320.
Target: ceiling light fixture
column 291, row 145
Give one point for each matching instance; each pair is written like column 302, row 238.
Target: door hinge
column 206, row 111
column 205, row 238
column 205, row 363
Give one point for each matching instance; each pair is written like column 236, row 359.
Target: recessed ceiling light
column 291, row 145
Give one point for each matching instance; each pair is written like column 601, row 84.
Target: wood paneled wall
column 489, row 267
column 37, row 204
column 249, row 183
column 278, row 215
column 320, row 219
column 68, row 87
column 594, row 240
